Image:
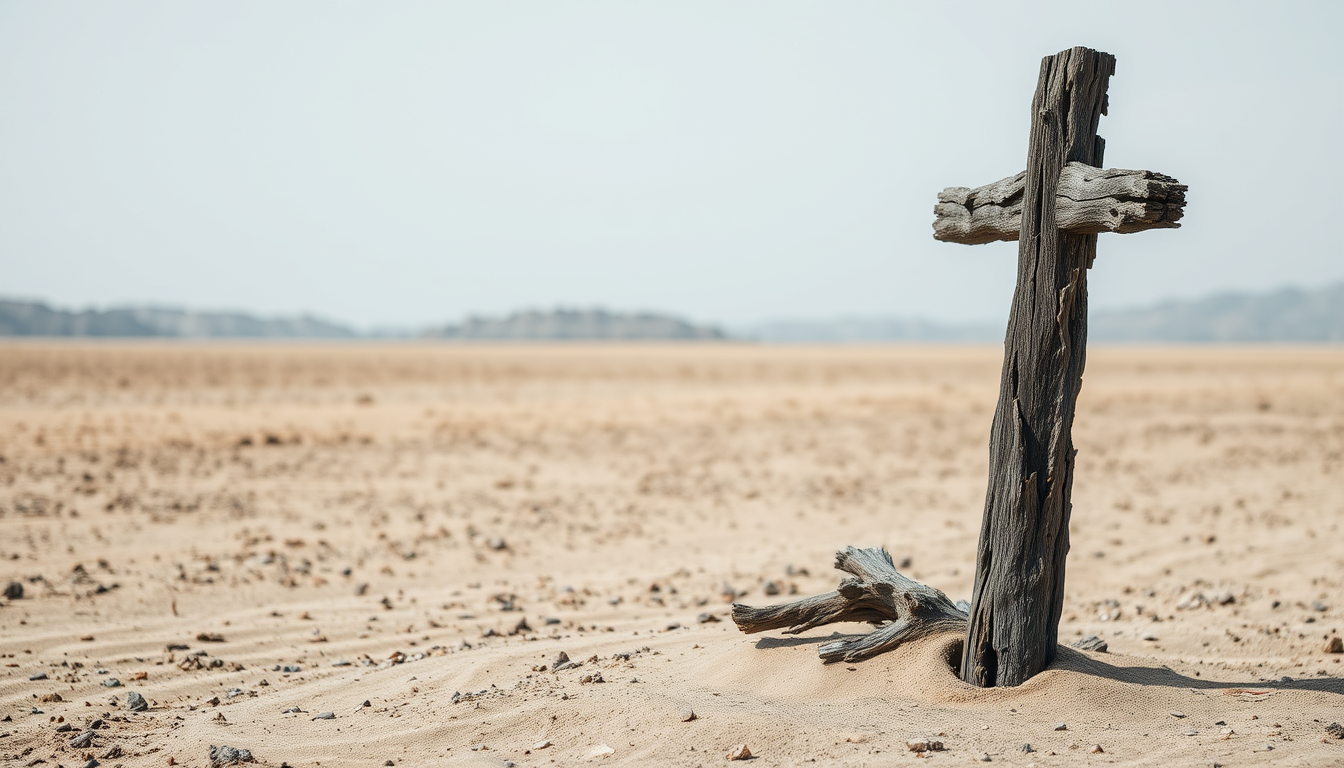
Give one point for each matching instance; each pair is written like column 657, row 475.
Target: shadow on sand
column 1070, row 659
column 1067, row 658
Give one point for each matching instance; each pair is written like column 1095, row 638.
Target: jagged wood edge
column 874, row 592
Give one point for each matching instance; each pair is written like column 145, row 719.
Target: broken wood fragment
column 874, row 592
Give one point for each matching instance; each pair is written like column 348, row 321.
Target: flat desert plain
column 371, row 555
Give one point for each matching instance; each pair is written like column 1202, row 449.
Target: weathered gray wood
column 1024, row 536
column 1087, row 201
column 1054, row 209
column 874, row 592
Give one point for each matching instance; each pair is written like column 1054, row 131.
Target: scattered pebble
column 340, row 663
column 1027, row 748
column 707, row 618
column 364, row 705
column 1317, row 605
column 1096, row 749
column 83, row 740
column 135, row 702
column 38, row 676
column 687, row 714
column 1334, row 645
column 1091, row 643
column 1178, row 715
column 984, row 757
column 1149, row 636
column 601, row 750
column 287, row 669
column 595, row 677
column 111, row 682
column 1192, row 733
column 739, row 752
column 14, row 591
column 1336, row 730
column 562, row 662
column 226, row 755
column 771, row 588
column 325, row 716
column 544, row 743
column 496, row 542
column 210, row 637
column 1061, row 727
column 856, row 738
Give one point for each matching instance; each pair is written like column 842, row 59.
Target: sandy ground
column 251, row 536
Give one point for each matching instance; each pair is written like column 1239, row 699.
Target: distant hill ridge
column 1287, row 314
column 30, row 318
column 577, row 324
column 1284, row 315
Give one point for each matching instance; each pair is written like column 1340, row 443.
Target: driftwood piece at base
column 874, row 592
column 1088, row 201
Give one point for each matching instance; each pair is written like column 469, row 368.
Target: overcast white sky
column 398, row 163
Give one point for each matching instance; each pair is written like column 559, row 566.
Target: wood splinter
column 874, row 592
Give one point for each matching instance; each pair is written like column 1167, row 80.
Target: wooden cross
column 1054, row 209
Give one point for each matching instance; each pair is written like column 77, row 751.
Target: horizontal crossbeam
column 1088, row 201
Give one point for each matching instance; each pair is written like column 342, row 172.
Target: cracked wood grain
column 1088, row 201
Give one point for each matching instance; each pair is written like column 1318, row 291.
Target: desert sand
column 406, row 537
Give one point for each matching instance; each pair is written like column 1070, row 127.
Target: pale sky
column 399, row 164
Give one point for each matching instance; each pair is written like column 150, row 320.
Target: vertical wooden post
column 1024, row 537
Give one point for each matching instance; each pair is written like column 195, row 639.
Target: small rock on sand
column 1096, row 749
column 1091, row 643
column 14, row 591
column 1336, row 730
column 544, row 743
column 226, row 755
column 984, row 757
column 38, row 676
column 135, row 702
column 325, row 716
column 1334, row 645
column 1061, row 727
column 601, row 750
column 686, row 713
column 924, row 745
column 739, row 752
column 83, row 740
